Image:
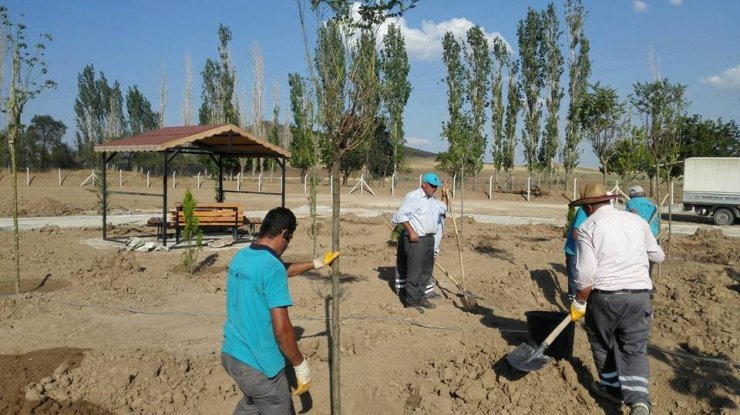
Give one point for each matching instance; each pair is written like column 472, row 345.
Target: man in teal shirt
column 645, row 208
column 258, row 334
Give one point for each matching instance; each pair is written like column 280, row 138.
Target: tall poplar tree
column 552, row 59
column 498, row 110
column 513, row 99
column 455, row 130
column 579, row 69
column 98, row 112
column 478, row 88
column 395, row 87
column 529, row 33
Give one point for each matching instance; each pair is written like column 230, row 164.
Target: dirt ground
column 99, row 330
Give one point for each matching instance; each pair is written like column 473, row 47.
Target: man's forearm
column 584, row 293
column 296, row 268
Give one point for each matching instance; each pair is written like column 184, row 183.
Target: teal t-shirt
column 646, row 209
column 570, row 243
column 257, row 281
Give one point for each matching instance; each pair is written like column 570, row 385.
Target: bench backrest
column 224, row 214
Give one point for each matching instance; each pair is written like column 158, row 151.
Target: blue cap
column 432, row 179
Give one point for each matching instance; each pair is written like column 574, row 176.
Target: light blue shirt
column 570, row 243
column 422, row 212
column 647, row 210
column 257, row 281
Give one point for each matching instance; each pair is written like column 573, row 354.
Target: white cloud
column 418, row 142
column 639, row 6
column 425, row 42
column 676, row 2
column 729, row 79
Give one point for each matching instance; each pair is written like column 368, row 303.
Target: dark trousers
column 618, row 327
column 415, row 260
column 262, row 395
column 570, row 270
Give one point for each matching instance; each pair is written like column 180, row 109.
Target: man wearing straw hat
column 613, row 250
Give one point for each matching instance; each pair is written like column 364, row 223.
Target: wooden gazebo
column 215, row 141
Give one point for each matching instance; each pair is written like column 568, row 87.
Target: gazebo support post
column 103, row 161
column 164, row 198
column 220, row 195
column 281, row 162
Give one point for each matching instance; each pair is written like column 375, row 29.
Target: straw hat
column 591, row 194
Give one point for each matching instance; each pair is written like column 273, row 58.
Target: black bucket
column 542, row 323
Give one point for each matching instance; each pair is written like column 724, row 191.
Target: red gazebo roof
column 226, row 139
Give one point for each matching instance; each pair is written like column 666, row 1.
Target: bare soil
column 100, row 330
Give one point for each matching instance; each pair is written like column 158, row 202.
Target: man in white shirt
column 419, row 215
column 613, row 253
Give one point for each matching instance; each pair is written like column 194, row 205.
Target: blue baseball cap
column 432, row 179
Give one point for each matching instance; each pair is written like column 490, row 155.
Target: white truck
column 711, row 187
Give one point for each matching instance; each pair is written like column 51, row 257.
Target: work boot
column 640, row 408
column 433, row 296
column 427, row 304
column 611, row 394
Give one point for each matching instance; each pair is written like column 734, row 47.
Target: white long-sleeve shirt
column 613, row 250
column 421, row 212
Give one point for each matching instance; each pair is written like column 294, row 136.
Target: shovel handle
column 548, row 341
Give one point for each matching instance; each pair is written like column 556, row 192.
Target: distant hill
column 415, row 152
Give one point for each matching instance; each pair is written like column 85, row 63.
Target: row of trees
column 475, row 71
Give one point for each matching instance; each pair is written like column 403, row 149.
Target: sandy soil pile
column 99, row 330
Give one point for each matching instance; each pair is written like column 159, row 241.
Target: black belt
column 604, row 292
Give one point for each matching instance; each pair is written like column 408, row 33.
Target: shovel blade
column 527, row 359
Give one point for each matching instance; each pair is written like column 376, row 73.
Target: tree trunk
column 604, row 171
column 336, row 404
column 16, row 234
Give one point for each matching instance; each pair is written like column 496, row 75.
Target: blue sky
column 692, row 42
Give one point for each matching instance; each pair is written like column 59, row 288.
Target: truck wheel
column 723, row 216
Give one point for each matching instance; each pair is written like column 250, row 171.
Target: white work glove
column 303, row 378
column 325, row 259
column 577, row 309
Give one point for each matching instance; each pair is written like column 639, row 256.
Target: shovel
column 528, row 359
column 469, row 301
column 469, row 294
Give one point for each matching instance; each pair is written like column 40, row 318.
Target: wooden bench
column 228, row 215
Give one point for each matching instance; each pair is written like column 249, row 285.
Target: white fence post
column 28, row 177
column 393, row 184
column 147, row 179
column 120, row 178
column 259, row 183
column 575, row 187
column 529, row 185
column 454, row 185
column 239, row 181
column 331, row 184
column 490, row 187
column 198, row 180
column 174, row 180
column 60, row 177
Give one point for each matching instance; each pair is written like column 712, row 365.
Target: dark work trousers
column 618, row 327
column 262, row 395
column 415, row 260
column 570, row 271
